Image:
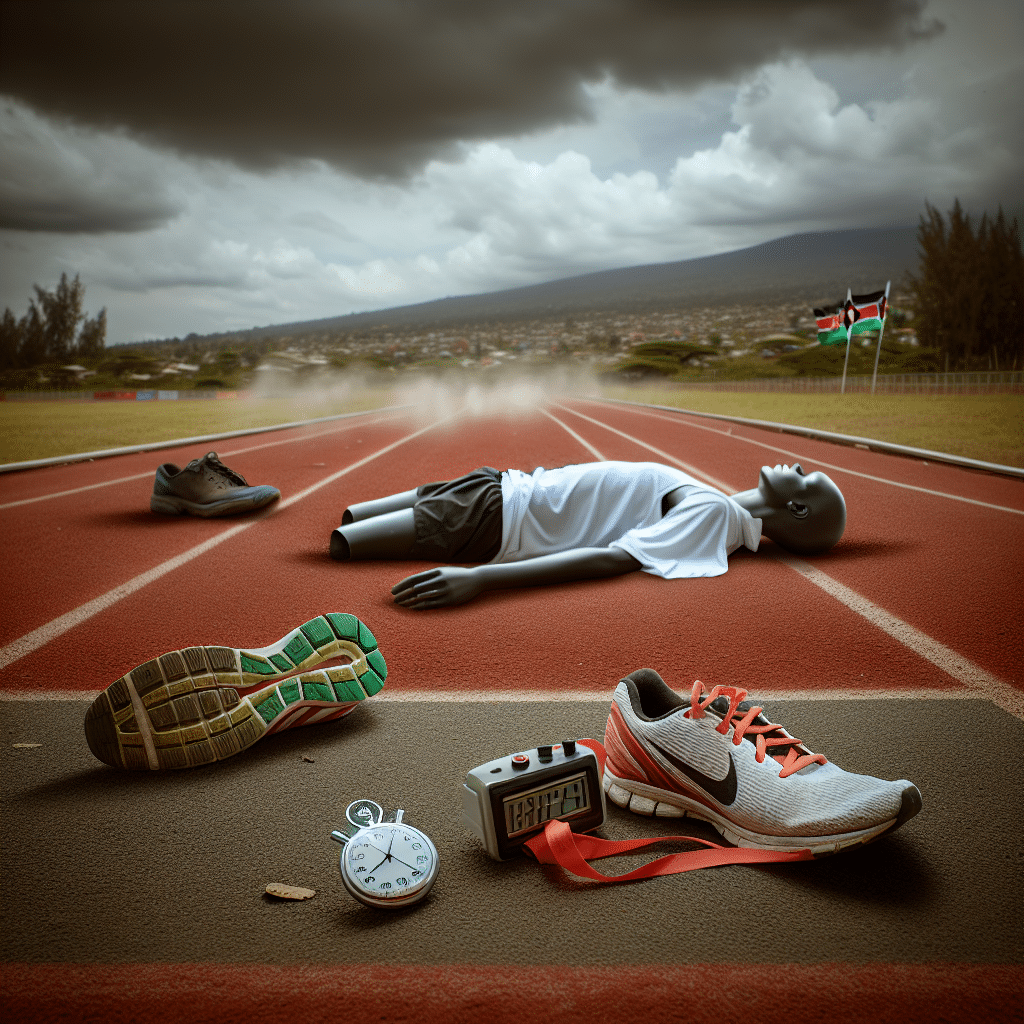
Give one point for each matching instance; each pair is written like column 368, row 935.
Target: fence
column 976, row 383
column 117, row 396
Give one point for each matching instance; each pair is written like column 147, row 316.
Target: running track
column 898, row 654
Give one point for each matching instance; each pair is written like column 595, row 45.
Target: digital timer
column 507, row 801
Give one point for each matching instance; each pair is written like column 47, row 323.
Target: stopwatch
column 385, row 863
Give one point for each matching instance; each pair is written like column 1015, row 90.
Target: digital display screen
column 526, row 810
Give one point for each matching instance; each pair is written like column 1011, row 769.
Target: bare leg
column 390, row 535
column 378, row 507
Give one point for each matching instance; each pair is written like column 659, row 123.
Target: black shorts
column 459, row 520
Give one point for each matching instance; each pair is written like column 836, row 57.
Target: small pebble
column 289, row 892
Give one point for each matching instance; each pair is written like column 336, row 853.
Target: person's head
column 804, row 513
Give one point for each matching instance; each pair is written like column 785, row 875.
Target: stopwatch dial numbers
column 410, row 850
column 389, row 865
column 364, row 861
column 379, row 838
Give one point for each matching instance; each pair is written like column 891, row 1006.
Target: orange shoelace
column 792, row 759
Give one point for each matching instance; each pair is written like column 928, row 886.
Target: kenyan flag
column 831, row 329
column 865, row 312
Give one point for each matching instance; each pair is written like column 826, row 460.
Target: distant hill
column 813, row 267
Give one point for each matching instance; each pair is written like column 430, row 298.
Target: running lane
column 71, row 533
column 952, row 568
column 762, row 624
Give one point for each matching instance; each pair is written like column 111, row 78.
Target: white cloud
column 800, row 157
column 525, row 219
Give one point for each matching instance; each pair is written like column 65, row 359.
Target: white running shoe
column 717, row 758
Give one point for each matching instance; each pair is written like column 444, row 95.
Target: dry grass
column 39, row 430
column 986, row 427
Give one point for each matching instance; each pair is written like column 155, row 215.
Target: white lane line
column 963, row 670
column 554, row 696
column 572, row 433
column 692, row 470
column 75, row 490
column 680, row 420
column 227, row 455
column 57, row 627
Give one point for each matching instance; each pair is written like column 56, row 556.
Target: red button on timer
column 520, row 760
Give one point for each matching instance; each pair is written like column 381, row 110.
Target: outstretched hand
column 437, row 588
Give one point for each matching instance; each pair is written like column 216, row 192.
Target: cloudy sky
column 209, row 165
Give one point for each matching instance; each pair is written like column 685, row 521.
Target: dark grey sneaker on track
column 198, row 705
column 206, row 487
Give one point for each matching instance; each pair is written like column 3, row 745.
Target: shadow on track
column 850, row 551
column 888, row 872
column 141, row 518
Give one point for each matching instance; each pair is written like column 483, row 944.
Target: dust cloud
column 424, row 398
column 513, row 395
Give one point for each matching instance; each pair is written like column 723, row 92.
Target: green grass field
column 986, row 427
column 40, row 430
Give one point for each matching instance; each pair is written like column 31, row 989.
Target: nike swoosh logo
column 722, row 790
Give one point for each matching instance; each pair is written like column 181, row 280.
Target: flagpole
column 849, row 328
column 881, row 331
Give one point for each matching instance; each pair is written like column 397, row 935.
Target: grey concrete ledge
column 105, row 453
column 847, row 439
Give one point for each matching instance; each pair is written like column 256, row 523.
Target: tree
column 92, row 336
column 10, row 341
column 49, row 332
column 62, row 313
column 1004, row 272
column 32, row 329
column 969, row 291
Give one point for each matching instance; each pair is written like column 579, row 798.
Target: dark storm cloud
column 378, row 87
column 86, row 214
column 56, row 178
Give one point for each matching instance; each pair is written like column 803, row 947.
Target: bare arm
column 436, row 588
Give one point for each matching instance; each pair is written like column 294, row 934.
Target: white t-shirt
column 618, row 504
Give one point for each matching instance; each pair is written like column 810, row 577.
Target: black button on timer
column 569, row 746
column 544, row 753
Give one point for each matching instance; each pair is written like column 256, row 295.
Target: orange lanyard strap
column 558, row 844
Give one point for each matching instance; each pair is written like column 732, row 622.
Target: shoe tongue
column 212, row 461
column 721, row 705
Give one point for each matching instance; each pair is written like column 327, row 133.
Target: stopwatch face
column 389, row 865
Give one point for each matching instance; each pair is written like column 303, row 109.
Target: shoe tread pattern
column 204, row 704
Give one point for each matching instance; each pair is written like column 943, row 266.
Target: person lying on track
column 583, row 521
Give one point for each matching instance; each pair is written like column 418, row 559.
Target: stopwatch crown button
column 569, row 746
column 520, row 760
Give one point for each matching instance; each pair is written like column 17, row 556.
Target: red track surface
column 952, row 569
column 949, row 568
column 710, row 993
